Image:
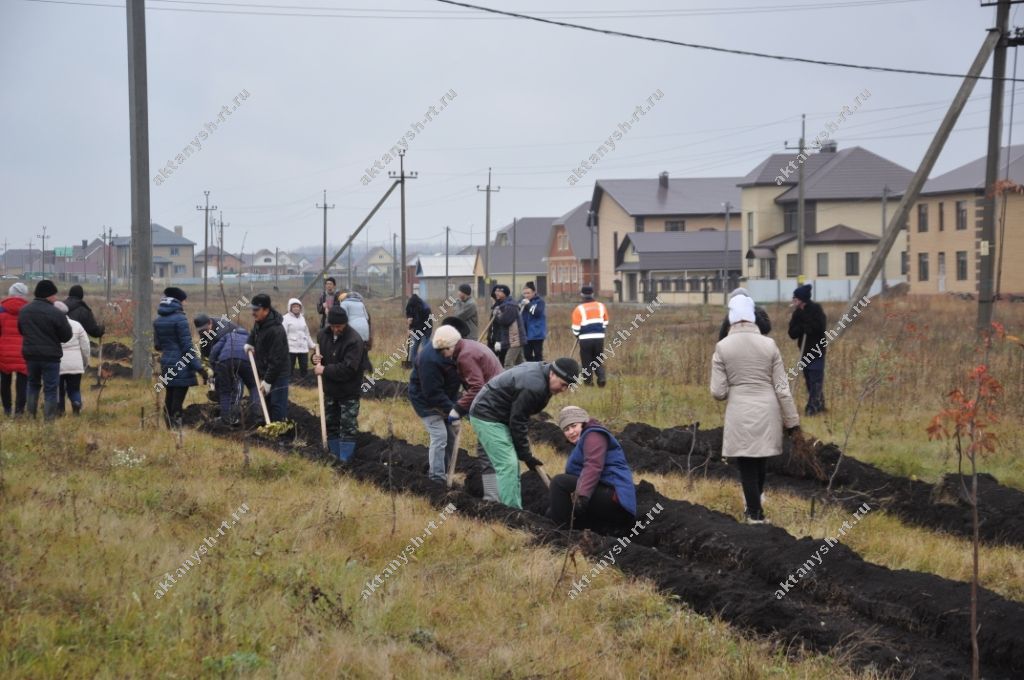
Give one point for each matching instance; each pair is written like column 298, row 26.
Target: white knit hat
column 445, row 337
column 741, row 308
column 19, row 289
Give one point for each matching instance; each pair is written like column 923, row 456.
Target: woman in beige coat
column 747, row 370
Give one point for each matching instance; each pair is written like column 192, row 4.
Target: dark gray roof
column 841, row 233
column 971, row 176
column 768, row 169
column 774, row 242
column 680, row 250
column 529, row 259
column 530, row 231
column 853, row 173
column 575, row 222
column 684, row 195
column 162, row 236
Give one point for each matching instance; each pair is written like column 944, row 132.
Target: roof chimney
column 85, row 243
column 831, row 146
column 663, row 180
column 177, row 230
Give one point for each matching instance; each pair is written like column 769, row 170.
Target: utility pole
column 42, row 250
column 800, row 202
column 220, row 250
column 447, row 235
column 206, row 247
column 401, row 177
column 394, row 264
column 487, row 227
column 725, row 256
column 5, row 257
column 987, row 232
column 885, row 205
column 350, row 269
column 277, row 271
column 325, row 208
column 514, row 256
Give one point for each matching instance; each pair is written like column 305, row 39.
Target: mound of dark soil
column 895, row 621
column 115, row 351
column 387, row 389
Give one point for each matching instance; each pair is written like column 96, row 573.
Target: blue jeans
column 442, row 441
column 814, row 377
column 47, row 372
column 277, row 400
column 233, row 376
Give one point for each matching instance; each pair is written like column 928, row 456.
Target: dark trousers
column 501, row 354
column 277, row 401
column 20, row 381
column 174, row 401
column 71, row 388
column 752, row 479
column 590, row 350
column 601, row 510
column 232, row 377
column 44, row 375
column 814, row 377
column 342, row 416
column 303, row 360
column 533, row 350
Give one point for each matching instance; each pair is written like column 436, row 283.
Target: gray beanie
column 570, row 415
column 739, row 291
column 19, row 289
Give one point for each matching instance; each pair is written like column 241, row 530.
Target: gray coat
column 466, row 310
column 747, row 370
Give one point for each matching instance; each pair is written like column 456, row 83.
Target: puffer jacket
column 512, row 397
column 747, row 370
column 172, row 337
column 358, row 316
column 433, row 383
column 76, row 351
column 11, row 360
column 508, row 325
column 299, row 340
column 231, row 346
column 343, row 357
column 270, row 342
column 80, row 312
column 43, row 329
column 535, row 318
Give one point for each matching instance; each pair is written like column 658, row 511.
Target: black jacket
column 807, row 327
column 764, row 324
column 512, row 398
column 419, row 311
column 43, row 328
column 508, row 326
column 80, row 312
column 343, row 358
column 270, row 342
column 433, row 384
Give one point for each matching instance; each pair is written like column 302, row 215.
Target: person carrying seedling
column 179, row 359
column 501, row 413
column 589, row 321
column 433, row 389
column 340, row 361
column 268, row 342
column 299, row 340
column 232, row 372
column 597, row 487
column 535, row 323
column 747, row 370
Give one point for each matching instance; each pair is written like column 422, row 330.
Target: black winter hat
column 458, row 324
column 566, row 368
column 176, row 293
column 587, row 290
column 466, row 288
column 336, row 315
column 260, row 301
column 76, row 291
column 531, row 285
column 503, row 288
column 45, row 289
column 803, row 293
column 200, row 320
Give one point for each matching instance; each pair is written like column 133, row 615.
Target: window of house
column 961, row 265
column 941, row 265
column 904, row 263
column 675, row 225
column 575, row 274
column 179, row 269
column 638, row 223
column 922, row 266
column 942, row 218
column 853, row 264
column 554, row 275
column 174, row 251
column 961, row 215
column 822, row 264
column 750, row 229
column 922, row 217
column 790, row 215
column 792, row 268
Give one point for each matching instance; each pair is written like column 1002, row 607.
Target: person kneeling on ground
column 231, row 372
column 433, row 389
column 501, row 413
column 597, row 487
column 747, row 370
column 340, row 361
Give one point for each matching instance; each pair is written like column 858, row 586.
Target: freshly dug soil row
column 894, row 621
column 115, row 351
column 805, row 473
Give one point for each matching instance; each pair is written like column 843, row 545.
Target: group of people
column 44, row 347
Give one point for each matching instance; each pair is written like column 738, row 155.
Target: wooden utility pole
column 277, row 271
column 401, row 177
column 800, row 235
column 913, row 190
column 447, row 237
column 885, row 205
column 725, row 256
column 206, row 247
column 487, row 227
column 394, row 265
column 42, row 250
column 220, row 250
column 325, row 208
column 987, row 232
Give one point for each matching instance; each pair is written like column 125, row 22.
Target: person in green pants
column 501, row 413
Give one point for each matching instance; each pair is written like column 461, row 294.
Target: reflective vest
column 589, row 320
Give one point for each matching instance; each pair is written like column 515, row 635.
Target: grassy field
column 97, row 510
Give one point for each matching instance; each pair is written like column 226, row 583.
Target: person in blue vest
column 535, row 320
column 597, row 487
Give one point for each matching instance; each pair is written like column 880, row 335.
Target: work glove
column 249, row 349
column 454, row 418
column 579, row 506
column 532, row 462
column 793, row 431
column 266, row 387
column 497, row 347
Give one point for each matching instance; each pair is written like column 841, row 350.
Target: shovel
column 259, row 388
column 99, row 369
column 455, row 456
column 320, row 394
column 407, row 363
column 543, row 476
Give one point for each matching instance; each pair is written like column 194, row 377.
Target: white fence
column 823, row 290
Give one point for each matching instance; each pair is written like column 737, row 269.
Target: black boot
column 76, row 408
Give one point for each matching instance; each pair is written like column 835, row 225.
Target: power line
column 712, row 48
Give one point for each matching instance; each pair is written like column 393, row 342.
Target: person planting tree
column 597, row 487
column 268, row 343
column 341, row 361
column 747, row 370
column 501, row 414
column 232, row 372
column 433, row 389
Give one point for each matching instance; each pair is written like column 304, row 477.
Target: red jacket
column 11, row 359
column 476, row 364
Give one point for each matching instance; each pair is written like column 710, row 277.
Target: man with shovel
column 268, row 342
column 501, row 413
column 341, row 361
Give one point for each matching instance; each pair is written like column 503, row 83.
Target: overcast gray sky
column 328, row 95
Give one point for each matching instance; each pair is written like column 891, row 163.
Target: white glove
column 249, row 349
column 454, row 418
column 497, row 347
column 266, row 387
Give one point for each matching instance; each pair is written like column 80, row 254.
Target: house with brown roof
column 679, row 267
column 944, row 241
column 572, row 249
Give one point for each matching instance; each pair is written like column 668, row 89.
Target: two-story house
column 173, row 254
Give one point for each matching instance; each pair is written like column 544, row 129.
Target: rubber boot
column 76, row 408
column 334, row 446
column 490, row 482
column 346, row 449
column 50, row 410
column 31, row 406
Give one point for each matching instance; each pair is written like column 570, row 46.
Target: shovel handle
column 259, row 387
column 320, row 395
column 455, row 457
column 543, row 476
